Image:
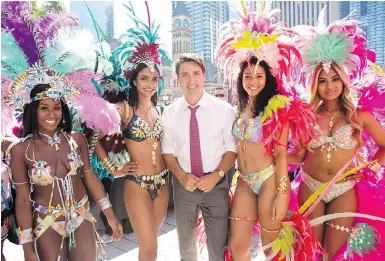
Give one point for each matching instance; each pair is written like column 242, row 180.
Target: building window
column 365, row 28
column 363, row 8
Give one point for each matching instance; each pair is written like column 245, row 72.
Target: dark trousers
column 215, row 210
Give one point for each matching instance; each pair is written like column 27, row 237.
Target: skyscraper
column 207, row 17
column 372, row 17
column 109, row 11
column 306, row 12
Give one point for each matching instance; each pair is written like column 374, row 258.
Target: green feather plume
column 330, row 47
column 13, row 60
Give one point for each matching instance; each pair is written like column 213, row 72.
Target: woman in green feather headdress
column 334, row 57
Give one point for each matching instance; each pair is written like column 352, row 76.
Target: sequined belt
column 151, row 181
column 333, row 192
column 59, row 209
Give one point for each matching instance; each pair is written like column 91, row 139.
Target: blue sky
column 160, row 11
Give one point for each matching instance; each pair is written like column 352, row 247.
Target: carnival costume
column 48, row 48
column 255, row 35
column 139, row 46
column 343, row 43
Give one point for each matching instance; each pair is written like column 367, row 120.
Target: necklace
column 152, row 141
column 53, row 141
column 148, row 113
column 331, row 144
column 331, row 117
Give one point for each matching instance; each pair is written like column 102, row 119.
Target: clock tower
column 181, row 30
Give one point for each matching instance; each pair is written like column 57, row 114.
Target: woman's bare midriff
column 316, row 164
column 41, row 194
column 254, row 158
column 141, row 152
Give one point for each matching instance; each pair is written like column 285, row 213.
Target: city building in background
column 372, row 17
column 306, row 12
column 182, row 33
column 207, row 17
column 109, row 12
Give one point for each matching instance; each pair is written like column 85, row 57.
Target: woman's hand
column 117, row 228
column 128, row 169
column 280, row 207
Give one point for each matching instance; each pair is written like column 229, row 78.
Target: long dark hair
column 30, row 122
column 133, row 98
column 264, row 96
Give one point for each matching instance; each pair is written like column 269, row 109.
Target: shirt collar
column 204, row 102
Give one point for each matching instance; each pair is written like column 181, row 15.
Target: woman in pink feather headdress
column 336, row 181
column 256, row 56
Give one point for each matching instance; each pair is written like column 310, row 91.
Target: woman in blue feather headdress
column 137, row 73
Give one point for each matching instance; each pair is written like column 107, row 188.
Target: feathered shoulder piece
column 140, row 44
column 256, row 35
column 342, row 42
column 280, row 111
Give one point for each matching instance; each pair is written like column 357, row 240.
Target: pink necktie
column 195, row 145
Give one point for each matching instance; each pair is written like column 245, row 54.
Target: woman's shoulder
column 18, row 146
column 125, row 110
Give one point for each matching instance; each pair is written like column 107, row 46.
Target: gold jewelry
column 25, row 236
column 88, row 170
column 148, row 112
column 270, row 231
column 375, row 166
column 282, row 185
column 126, row 110
column 107, row 163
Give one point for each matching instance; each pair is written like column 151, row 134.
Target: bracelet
column 282, row 185
column 25, row 236
column 104, row 203
column 375, row 166
column 269, row 230
column 107, row 163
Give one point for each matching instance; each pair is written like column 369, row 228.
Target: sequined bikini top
column 41, row 172
column 251, row 131
column 139, row 130
column 343, row 138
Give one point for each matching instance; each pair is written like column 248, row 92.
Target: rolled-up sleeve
column 167, row 147
column 229, row 119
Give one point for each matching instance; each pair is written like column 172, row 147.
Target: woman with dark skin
column 68, row 171
column 255, row 195
column 145, row 189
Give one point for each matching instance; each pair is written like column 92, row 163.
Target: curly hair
column 345, row 100
column 264, row 96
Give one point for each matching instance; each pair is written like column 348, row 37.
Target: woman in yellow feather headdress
column 256, row 59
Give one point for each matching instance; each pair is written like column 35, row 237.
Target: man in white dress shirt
column 199, row 149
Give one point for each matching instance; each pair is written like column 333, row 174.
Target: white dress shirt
column 215, row 120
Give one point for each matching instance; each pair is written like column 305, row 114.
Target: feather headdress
column 139, row 45
column 50, row 49
column 255, row 35
column 341, row 42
